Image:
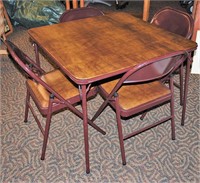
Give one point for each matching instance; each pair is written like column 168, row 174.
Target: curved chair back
column 175, row 21
column 151, row 70
column 80, row 13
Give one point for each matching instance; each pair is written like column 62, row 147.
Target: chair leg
column 46, row 135
column 85, row 128
column 187, row 75
column 172, row 109
column 100, row 110
column 143, row 115
column 46, row 131
column 181, row 84
column 120, row 133
column 27, row 106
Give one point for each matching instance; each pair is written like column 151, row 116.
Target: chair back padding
column 139, row 90
column 80, row 13
column 175, row 21
column 151, row 70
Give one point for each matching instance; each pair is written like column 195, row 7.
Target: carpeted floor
column 151, row 156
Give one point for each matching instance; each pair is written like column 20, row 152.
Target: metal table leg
column 187, row 75
column 85, row 127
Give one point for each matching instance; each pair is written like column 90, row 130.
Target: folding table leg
column 85, row 127
column 36, row 54
column 181, row 84
column 187, row 75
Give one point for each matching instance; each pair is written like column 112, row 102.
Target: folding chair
column 139, row 90
column 177, row 22
column 51, row 92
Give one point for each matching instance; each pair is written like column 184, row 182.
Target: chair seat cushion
column 132, row 96
column 58, row 82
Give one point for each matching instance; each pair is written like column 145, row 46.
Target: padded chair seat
column 130, row 95
column 57, row 81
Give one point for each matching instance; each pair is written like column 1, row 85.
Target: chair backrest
column 154, row 69
column 80, row 13
column 30, row 67
column 175, row 21
column 75, row 4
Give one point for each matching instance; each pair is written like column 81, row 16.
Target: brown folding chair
column 51, row 92
column 80, row 13
column 139, row 90
column 177, row 22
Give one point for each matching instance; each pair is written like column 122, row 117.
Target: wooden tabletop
column 90, row 49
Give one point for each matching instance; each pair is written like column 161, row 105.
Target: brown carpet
column 151, row 156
